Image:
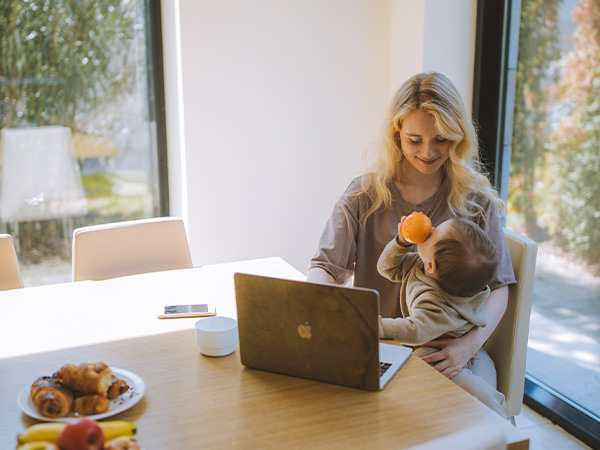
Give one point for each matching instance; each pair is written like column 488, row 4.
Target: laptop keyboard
column 384, row 367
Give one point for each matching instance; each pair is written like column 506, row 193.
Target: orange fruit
column 416, row 228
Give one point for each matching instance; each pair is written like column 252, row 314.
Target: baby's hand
column 401, row 240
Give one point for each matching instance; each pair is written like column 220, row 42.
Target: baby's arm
column 391, row 259
column 425, row 324
column 393, row 256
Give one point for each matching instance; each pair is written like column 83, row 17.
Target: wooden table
column 193, row 401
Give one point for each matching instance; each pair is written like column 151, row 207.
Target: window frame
column 496, row 52
column 157, row 89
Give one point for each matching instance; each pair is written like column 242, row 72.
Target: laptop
column 322, row 332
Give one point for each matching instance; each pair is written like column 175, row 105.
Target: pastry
column 52, row 398
column 90, row 404
column 92, row 378
column 117, row 387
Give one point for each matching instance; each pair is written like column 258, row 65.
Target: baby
column 444, row 283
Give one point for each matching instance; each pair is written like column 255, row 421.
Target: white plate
column 136, row 391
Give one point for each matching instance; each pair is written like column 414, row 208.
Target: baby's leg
column 478, row 378
column 480, row 381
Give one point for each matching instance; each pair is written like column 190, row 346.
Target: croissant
column 92, row 378
column 91, row 404
column 51, row 397
column 117, row 387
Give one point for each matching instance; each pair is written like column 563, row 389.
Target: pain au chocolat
column 52, row 398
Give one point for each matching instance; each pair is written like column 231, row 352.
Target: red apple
column 81, row 434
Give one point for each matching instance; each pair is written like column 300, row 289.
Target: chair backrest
column 507, row 346
column 127, row 248
column 10, row 273
column 481, row 437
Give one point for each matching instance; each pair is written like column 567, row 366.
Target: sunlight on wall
column 281, row 100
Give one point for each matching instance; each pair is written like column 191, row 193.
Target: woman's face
column 422, row 145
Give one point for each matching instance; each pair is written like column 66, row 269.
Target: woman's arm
column 318, row 275
column 453, row 354
column 333, row 261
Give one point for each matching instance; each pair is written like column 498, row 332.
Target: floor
column 564, row 333
column 543, row 434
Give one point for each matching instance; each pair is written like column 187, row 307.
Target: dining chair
column 128, row 248
column 10, row 273
column 479, row 437
column 507, row 346
column 40, row 175
column 41, row 179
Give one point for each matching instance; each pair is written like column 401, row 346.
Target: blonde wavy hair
column 435, row 94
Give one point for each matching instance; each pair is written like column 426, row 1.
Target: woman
column 427, row 161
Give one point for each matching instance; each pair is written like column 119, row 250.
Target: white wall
column 279, row 100
column 434, row 35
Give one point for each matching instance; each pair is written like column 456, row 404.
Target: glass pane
column 78, row 140
column 555, row 190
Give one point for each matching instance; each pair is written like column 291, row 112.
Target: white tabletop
column 119, row 308
column 212, row 402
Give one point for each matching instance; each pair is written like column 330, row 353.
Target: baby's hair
column 466, row 260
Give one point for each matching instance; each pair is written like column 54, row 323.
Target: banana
column 45, row 432
column 117, row 428
column 49, row 432
column 39, row 445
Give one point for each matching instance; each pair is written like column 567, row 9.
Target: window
column 81, row 122
column 539, row 93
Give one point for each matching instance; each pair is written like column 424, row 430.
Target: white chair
column 10, row 273
column 40, row 175
column 482, row 437
column 127, row 248
column 507, row 346
column 40, row 178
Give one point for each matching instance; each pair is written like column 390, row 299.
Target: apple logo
column 304, row 331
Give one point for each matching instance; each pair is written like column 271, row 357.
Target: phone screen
column 186, row 309
column 198, row 310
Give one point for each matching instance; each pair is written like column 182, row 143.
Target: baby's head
column 460, row 256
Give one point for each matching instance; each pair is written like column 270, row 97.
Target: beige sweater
column 427, row 311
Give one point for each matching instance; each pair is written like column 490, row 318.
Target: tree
column 538, row 50
column 576, row 146
column 62, row 58
column 63, row 62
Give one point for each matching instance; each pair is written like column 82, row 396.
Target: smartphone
column 199, row 310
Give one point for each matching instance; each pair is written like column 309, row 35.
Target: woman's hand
column 452, row 356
